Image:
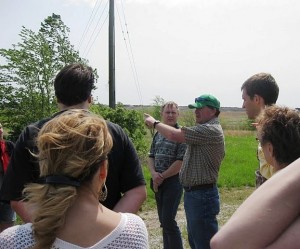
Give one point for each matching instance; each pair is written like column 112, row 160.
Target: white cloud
column 170, row 3
column 91, row 3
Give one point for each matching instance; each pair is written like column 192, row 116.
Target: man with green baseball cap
column 200, row 168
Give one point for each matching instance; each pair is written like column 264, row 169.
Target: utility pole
column 111, row 59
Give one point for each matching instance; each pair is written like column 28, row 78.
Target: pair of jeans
column 167, row 201
column 201, row 208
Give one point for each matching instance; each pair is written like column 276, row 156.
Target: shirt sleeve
column 266, row 170
column 181, row 151
column 200, row 134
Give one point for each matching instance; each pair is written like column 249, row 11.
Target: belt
column 198, row 187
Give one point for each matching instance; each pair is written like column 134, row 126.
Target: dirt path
column 151, row 219
column 230, row 200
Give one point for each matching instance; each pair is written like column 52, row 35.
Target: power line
column 130, row 54
column 89, row 46
column 97, row 35
column 96, row 31
column 89, row 22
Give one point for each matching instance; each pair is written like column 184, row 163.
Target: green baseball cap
column 205, row 100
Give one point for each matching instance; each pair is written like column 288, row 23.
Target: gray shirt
column 165, row 152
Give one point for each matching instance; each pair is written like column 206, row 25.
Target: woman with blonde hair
column 73, row 149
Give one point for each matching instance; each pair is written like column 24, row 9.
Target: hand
column 149, row 120
column 157, row 178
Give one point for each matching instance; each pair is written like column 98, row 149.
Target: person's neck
column 278, row 166
column 83, row 105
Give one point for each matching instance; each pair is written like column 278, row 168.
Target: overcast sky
column 181, row 48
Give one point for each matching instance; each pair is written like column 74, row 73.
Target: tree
column 131, row 121
column 26, row 89
column 157, row 103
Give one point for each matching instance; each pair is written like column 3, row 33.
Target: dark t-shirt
column 124, row 169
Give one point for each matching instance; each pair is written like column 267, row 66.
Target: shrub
column 131, row 121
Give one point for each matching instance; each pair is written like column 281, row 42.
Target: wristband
column 155, row 123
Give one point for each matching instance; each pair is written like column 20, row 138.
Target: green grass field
column 237, row 168
column 240, row 161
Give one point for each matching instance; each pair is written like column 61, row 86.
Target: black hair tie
column 59, row 179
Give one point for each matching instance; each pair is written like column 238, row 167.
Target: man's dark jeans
column 167, row 200
column 201, row 209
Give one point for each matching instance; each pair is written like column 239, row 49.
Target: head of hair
column 170, row 104
column 281, row 127
column 264, row 85
column 74, row 84
column 72, row 144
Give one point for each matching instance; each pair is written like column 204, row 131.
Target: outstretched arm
column 169, row 132
column 268, row 216
column 290, row 239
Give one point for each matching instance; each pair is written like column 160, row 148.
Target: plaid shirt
column 205, row 152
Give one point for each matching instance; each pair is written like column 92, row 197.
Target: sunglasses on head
column 201, row 99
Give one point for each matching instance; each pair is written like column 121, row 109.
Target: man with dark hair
column 259, row 91
column 200, row 168
column 125, row 181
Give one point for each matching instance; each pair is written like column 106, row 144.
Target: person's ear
column 256, row 98
column 213, row 111
column 90, row 99
column 103, row 170
column 270, row 149
column 259, row 100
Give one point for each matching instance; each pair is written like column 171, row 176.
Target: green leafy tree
column 26, row 89
column 157, row 103
column 131, row 121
